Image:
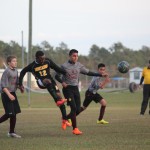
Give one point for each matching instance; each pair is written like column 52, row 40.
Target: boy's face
column 102, row 70
column 74, row 57
column 40, row 59
column 13, row 63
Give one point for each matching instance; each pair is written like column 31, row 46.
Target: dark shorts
column 11, row 107
column 89, row 97
column 72, row 94
column 42, row 86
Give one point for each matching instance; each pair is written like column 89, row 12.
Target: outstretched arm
column 95, row 74
column 57, row 68
column 102, row 85
column 22, row 74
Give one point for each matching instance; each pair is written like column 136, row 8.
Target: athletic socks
column 102, row 111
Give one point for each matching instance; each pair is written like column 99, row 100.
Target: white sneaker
column 13, row 135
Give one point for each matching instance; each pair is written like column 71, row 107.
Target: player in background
column 146, row 88
column 9, row 83
column 40, row 68
column 69, row 82
column 92, row 95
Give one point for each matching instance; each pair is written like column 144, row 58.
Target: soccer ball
column 123, row 67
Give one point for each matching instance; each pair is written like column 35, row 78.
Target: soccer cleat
column 61, row 102
column 69, row 120
column 76, row 131
column 13, row 135
column 102, row 121
column 68, row 123
column 65, row 123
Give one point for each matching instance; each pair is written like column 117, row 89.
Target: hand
column 21, row 87
column 139, row 86
column 101, row 86
column 64, row 84
column 105, row 74
column 11, row 97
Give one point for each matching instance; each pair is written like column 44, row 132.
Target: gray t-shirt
column 9, row 79
column 95, row 84
column 73, row 71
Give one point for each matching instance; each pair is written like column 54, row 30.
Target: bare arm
column 12, row 98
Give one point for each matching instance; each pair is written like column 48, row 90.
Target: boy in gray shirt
column 92, row 95
column 10, row 102
column 70, row 85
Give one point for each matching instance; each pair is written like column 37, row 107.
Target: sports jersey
column 9, row 79
column 40, row 71
column 95, row 84
column 146, row 75
column 72, row 72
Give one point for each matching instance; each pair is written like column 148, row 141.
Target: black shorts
column 89, row 97
column 42, row 86
column 72, row 94
column 11, row 107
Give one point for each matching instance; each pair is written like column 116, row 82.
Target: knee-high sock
column 12, row 124
column 81, row 109
column 4, row 118
column 74, row 122
column 102, row 111
column 63, row 112
column 73, row 119
column 53, row 93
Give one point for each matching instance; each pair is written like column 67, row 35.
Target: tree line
column 111, row 56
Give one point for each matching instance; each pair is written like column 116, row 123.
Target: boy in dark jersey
column 70, row 85
column 40, row 68
column 9, row 82
column 92, row 95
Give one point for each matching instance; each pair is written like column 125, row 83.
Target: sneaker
column 13, row 135
column 65, row 123
column 102, row 122
column 61, row 102
column 76, row 131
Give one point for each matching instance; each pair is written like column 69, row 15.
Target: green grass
column 40, row 125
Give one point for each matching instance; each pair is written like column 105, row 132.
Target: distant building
column 135, row 75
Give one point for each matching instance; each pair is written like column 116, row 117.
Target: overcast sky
column 78, row 23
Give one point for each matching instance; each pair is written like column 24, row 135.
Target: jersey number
column 43, row 73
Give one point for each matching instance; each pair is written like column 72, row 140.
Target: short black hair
column 101, row 65
column 72, row 51
column 39, row 53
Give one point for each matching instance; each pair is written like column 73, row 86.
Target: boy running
column 92, row 95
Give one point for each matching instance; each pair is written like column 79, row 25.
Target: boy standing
column 10, row 102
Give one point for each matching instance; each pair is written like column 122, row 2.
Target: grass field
column 40, row 126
